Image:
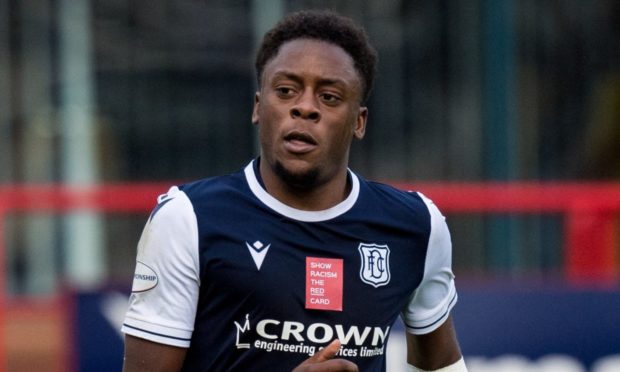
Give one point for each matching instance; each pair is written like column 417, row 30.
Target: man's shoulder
column 212, row 186
column 388, row 192
column 390, row 203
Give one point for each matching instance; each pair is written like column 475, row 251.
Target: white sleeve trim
column 157, row 333
column 458, row 366
column 162, row 305
column 430, row 304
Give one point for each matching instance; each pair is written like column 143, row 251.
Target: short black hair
column 323, row 25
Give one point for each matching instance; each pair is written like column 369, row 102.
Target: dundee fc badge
column 375, row 267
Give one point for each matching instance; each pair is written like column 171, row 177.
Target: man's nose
column 306, row 107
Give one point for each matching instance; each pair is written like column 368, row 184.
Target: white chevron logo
column 258, row 251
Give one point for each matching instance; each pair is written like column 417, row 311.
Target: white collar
column 299, row 214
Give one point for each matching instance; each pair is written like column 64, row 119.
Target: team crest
column 375, row 268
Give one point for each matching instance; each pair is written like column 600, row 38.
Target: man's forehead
column 328, row 60
column 314, row 45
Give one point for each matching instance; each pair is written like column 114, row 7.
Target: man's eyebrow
column 296, row 78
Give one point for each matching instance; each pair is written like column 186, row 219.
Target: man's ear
column 360, row 123
column 255, row 115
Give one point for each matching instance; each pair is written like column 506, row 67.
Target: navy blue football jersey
column 248, row 283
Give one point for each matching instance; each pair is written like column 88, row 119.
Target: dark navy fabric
column 233, row 290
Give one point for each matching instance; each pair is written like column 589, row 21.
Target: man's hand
column 324, row 361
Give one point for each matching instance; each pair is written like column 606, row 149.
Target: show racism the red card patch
column 324, row 283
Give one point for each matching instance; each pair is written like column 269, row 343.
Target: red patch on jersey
column 324, row 283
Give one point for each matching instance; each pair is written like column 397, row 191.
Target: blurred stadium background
column 505, row 112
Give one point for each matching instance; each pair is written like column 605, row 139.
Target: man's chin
column 298, row 177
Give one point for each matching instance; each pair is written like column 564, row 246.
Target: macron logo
column 258, row 251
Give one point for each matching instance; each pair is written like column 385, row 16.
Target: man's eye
column 284, row 90
column 327, row 97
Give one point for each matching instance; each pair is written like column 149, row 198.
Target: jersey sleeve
column 162, row 305
column 430, row 304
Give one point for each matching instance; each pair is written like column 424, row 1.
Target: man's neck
column 316, row 198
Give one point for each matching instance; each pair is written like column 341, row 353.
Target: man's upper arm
column 434, row 350
column 144, row 355
column 431, row 302
column 431, row 339
column 162, row 305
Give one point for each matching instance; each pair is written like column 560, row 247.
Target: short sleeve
column 430, row 304
column 162, row 305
